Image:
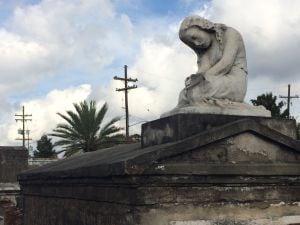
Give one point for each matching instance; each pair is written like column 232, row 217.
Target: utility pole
column 125, row 89
column 288, row 97
column 23, row 119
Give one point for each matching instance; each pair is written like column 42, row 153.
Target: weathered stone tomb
column 13, row 160
column 241, row 170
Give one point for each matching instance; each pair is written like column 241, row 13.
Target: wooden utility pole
column 288, row 97
column 23, row 119
column 125, row 89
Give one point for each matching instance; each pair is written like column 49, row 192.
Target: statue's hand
column 193, row 80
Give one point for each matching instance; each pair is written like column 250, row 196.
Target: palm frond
column 101, row 114
column 82, row 128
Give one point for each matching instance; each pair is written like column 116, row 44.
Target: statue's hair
column 204, row 24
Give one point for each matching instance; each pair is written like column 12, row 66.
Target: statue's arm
column 232, row 42
column 203, row 63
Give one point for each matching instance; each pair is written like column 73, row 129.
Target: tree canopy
column 44, row 148
column 83, row 130
column 268, row 100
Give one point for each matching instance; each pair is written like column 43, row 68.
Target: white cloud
column 43, row 39
column 43, row 110
column 19, row 61
column 161, row 67
column 271, row 32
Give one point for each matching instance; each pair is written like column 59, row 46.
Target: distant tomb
column 13, row 160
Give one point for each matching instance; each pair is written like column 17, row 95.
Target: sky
column 54, row 53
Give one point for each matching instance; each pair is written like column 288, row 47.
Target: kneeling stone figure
column 220, row 84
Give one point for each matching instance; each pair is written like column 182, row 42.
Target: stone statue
column 220, row 84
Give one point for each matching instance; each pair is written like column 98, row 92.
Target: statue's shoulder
column 231, row 32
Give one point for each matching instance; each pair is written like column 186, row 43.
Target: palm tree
column 83, row 131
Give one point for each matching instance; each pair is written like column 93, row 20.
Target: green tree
column 83, row 131
column 44, row 148
column 269, row 102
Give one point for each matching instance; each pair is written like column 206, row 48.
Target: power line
column 22, row 131
column 125, row 89
column 289, row 99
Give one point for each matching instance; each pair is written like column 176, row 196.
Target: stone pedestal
column 209, row 170
column 178, row 127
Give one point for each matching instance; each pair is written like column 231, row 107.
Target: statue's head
column 198, row 32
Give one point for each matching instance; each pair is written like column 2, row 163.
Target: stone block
column 13, row 160
column 178, row 127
